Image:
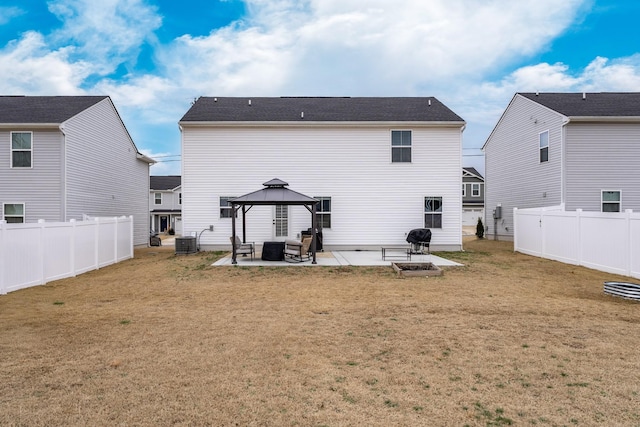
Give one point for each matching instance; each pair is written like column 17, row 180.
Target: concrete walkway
column 337, row 258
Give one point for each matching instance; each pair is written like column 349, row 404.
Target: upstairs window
column 611, row 201
column 13, row 213
column 401, row 146
column 475, row 190
column 323, row 212
column 464, row 190
column 433, row 212
column 21, row 149
column 544, row 146
column 225, row 207
column 157, row 198
column 179, row 198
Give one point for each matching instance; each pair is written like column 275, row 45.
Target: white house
column 379, row 167
column 578, row 150
column 165, row 203
column 64, row 157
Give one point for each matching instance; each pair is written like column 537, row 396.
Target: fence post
column 579, row 234
column 3, row 226
column 97, row 243
column 115, row 240
column 543, row 242
column 43, row 279
column 130, row 236
column 628, row 245
column 515, row 229
column 72, row 247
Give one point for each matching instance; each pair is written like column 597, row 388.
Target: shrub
column 480, row 229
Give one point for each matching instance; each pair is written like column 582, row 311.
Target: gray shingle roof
column 43, row 109
column 319, row 109
column 168, row 182
column 604, row 104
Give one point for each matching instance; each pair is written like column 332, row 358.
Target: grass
column 165, row 340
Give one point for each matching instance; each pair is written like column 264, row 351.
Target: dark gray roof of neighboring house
column 43, row 109
column 473, row 171
column 319, row 109
column 168, row 182
column 604, row 104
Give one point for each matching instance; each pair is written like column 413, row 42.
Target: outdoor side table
column 273, row 251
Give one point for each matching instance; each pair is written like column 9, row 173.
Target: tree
column 480, row 229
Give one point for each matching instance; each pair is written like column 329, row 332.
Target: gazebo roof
column 274, row 193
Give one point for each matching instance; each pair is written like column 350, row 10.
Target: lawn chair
column 244, row 248
column 297, row 251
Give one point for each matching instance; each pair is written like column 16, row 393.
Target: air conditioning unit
column 185, row 245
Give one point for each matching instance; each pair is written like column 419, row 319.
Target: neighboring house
column 580, row 150
column 64, row 157
column 165, row 203
column 472, row 197
column 379, row 167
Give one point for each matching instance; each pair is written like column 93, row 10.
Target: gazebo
column 274, row 193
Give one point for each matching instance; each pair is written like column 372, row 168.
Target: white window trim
column 228, row 208
column 540, row 147
column 475, row 189
column 425, row 212
column 24, row 211
column 11, row 150
column 321, row 198
column 401, row 146
column 464, row 189
column 155, row 199
column 602, row 201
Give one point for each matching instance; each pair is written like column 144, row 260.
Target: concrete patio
column 338, row 258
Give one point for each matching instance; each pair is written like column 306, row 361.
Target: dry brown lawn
column 163, row 340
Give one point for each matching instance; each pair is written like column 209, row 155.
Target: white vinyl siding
column 39, row 187
column 514, row 175
column 104, row 176
column 350, row 163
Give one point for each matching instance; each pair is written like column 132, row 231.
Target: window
column 433, row 212
column 323, row 212
column 179, row 198
column 225, row 207
column 475, row 190
column 401, row 146
column 13, row 212
column 157, row 198
column 611, row 201
column 21, row 149
column 544, row 146
column 464, row 190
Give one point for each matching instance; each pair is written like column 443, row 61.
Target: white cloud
column 106, row 32
column 29, row 67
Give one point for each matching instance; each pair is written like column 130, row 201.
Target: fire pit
column 414, row 269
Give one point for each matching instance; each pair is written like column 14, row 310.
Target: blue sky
column 154, row 57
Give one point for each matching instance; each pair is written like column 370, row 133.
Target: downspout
column 563, row 140
column 63, row 175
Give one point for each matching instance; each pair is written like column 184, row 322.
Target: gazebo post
column 314, row 242
column 234, row 209
column 244, row 224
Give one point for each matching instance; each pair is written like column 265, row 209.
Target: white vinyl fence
column 34, row 254
column 603, row 241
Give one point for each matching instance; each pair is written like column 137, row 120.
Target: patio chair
column 297, row 251
column 244, row 248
